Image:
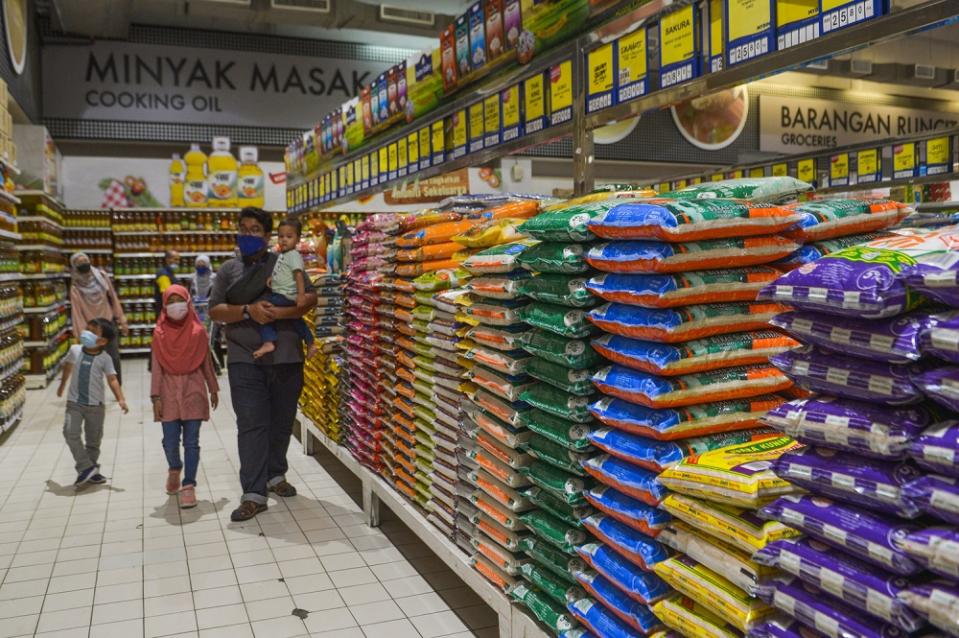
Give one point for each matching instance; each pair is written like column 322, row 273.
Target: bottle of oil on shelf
column 251, row 181
column 221, row 173
column 194, row 189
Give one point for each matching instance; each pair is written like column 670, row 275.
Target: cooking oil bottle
column 221, row 172
column 194, row 188
column 251, row 181
column 177, row 177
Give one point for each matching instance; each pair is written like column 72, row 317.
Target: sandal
column 246, row 511
column 283, row 489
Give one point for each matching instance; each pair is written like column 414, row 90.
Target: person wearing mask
column 165, row 277
column 203, row 277
column 92, row 296
column 264, row 390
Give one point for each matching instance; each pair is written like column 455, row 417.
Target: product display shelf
column 57, row 305
column 42, row 380
column 513, row 621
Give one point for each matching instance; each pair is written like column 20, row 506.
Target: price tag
column 758, row 171
column 476, row 127
column 600, row 75
column 736, row 174
column 459, row 133
column 717, row 177
column 413, row 152
column 491, row 120
column 374, row 168
column 749, row 30
column 839, row 170
column 393, row 160
column 631, row 65
column 679, row 184
column 868, row 166
column 335, row 184
column 806, row 170
column 402, row 157
column 365, row 172
column 780, row 170
column 510, row 107
column 678, row 57
column 904, row 160
column 797, row 21
column 322, row 187
column 662, row 188
column 350, row 175
column 715, row 35
column 438, row 142
column 938, row 156
column 560, row 93
column 534, row 97
column 424, row 147
column 384, row 164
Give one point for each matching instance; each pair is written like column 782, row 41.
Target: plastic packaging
column 739, row 527
column 627, row 478
column 670, row 291
column 683, row 324
column 566, row 322
column 937, row 448
column 633, row 545
column 648, row 257
column 832, row 218
column 555, row 257
column 562, row 289
column 571, row 353
column 761, row 189
column 641, row 517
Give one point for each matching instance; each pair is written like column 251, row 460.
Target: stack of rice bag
column 322, row 393
column 883, row 440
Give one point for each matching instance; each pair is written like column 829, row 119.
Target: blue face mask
column 250, row 244
column 202, row 270
column 88, row 339
column 173, row 267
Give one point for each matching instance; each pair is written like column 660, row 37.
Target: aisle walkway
column 122, row 560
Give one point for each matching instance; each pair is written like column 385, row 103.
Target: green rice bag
column 547, row 582
column 566, row 224
column 560, row 484
column 572, row 436
column 566, row 322
column 565, row 290
column 555, row 454
column 547, row 611
column 558, row 403
column 549, row 557
column 555, row 257
column 766, row 189
column 576, row 382
column 572, row 353
column 569, row 514
column 554, row 531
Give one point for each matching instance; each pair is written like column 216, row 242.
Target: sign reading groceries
column 155, row 83
column 797, row 125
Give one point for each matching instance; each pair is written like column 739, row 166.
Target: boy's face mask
column 88, row 339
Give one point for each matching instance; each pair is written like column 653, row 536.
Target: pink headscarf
column 180, row 346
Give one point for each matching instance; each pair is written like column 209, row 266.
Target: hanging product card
column 806, row 170
column 736, row 174
column 839, row 170
column 392, row 159
column 780, row 170
column 868, row 166
column 678, row 53
column 425, row 158
column 797, row 21
column 335, row 191
column 458, row 134
column 438, row 142
column 679, row 184
column 717, row 177
column 716, row 35
column 491, row 120
column 402, row 157
column 759, row 171
column 561, row 93
column 631, row 65
column 476, row 127
column 384, row 164
column 904, row 160
column 413, row 151
column 350, row 175
column 662, row 188
column 839, row 14
column 600, row 71
column 534, row 101
column 510, row 107
column 365, row 172
column 938, row 156
column 374, row 168
column 749, row 29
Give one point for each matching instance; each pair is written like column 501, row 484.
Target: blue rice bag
column 636, row 547
column 643, row 587
column 602, row 621
column 631, row 612
column 641, row 517
column 627, row 478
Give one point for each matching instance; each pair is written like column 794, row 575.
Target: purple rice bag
column 934, row 276
column 843, row 424
column 871, row 537
column 935, row 495
column 941, row 385
column 808, row 605
column 849, row 377
column 941, row 337
column 894, row 340
column 782, row 626
column 937, row 602
column 873, row 484
column 937, row 448
column 935, row 548
column 848, row 579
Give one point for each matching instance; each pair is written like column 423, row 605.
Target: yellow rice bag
column 491, row 233
column 692, row 620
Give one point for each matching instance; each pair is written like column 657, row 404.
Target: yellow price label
column 717, row 177
column 365, row 169
column 716, row 28
column 413, row 149
column 632, row 56
column 839, row 168
column 663, row 187
column 806, row 170
column 759, row 171
column 349, row 175
column 384, row 160
column 438, row 137
column 904, row 158
column 510, row 106
column 459, row 129
column 780, row 170
column 599, row 63
column 374, row 165
column 425, row 142
column 679, row 184
column 561, row 86
column 534, row 97
column 393, row 158
column 736, row 174
column 476, row 121
column 790, row 11
column 937, row 151
column 491, row 114
column 695, row 180
column 677, row 36
column 748, row 17
column 867, row 162
column 402, row 159
column 322, row 185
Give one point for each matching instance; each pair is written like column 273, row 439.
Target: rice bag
column 843, row 424
column 566, row 322
column 570, row 514
column 832, row 218
column 565, row 290
column 546, row 610
column 873, row 484
column 571, row 353
column 935, row 548
column 429, row 253
column 565, row 224
column 635, row 614
column 601, row 620
column 503, row 286
column 699, row 355
column 672, row 424
column 849, row 377
column 657, row 456
column 506, row 387
column 739, row 527
column 866, row 535
column 510, row 362
column 555, row 257
column 937, row 602
column 691, row 220
column 940, row 337
column 554, row 531
column 441, row 280
column 657, row 392
column 683, row 324
column 761, row 189
column 941, row 385
column 713, row 592
column 498, row 259
column 505, row 338
column 562, row 485
column 935, row 495
column 937, row 448
column 817, row 250
column 721, row 557
column 648, row 257
column 636, row 547
column 642, row 586
column 558, row 403
column 496, row 576
column 558, row 589
column 627, row 478
column 641, row 517
column 848, row 579
column 496, row 312
column 573, row 381
column 549, row 557
column 782, row 626
column 739, row 474
column 414, row 269
column 435, row 234
column 503, row 559
column 670, row 291
column 692, row 620
column 935, row 275
column 555, row 454
column 489, row 233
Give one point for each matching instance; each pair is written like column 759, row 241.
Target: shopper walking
column 264, row 391
column 165, row 277
column 92, row 296
column 203, row 277
column 183, row 388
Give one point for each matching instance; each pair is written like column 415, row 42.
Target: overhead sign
column 155, row 83
column 798, row 125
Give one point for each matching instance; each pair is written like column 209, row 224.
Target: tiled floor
column 122, row 560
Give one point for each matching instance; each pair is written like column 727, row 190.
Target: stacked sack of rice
column 881, row 454
column 321, row 396
column 385, row 346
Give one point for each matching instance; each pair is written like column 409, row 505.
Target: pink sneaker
column 173, row 482
column 187, row 497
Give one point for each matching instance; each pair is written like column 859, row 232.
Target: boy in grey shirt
column 85, row 408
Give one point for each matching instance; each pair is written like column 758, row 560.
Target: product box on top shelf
column 797, row 21
column 450, row 69
column 749, row 29
column 679, row 46
column 424, row 84
column 560, row 93
column 392, row 91
column 353, row 132
column 477, row 36
column 600, row 77
column 534, row 103
column 839, row 14
column 462, row 32
column 496, row 44
column 511, row 112
column 366, row 105
column 381, row 105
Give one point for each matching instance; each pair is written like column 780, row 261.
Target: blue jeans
column 268, row 330
column 191, row 448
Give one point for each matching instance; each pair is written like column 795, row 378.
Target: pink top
column 184, row 396
column 82, row 310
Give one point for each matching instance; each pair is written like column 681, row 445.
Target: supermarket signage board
column 183, row 85
column 749, row 28
column 797, row 125
column 678, row 48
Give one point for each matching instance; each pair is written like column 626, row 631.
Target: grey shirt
column 90, row 372
column 243, row 337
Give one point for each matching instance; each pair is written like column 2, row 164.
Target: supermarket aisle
column 122, row 560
